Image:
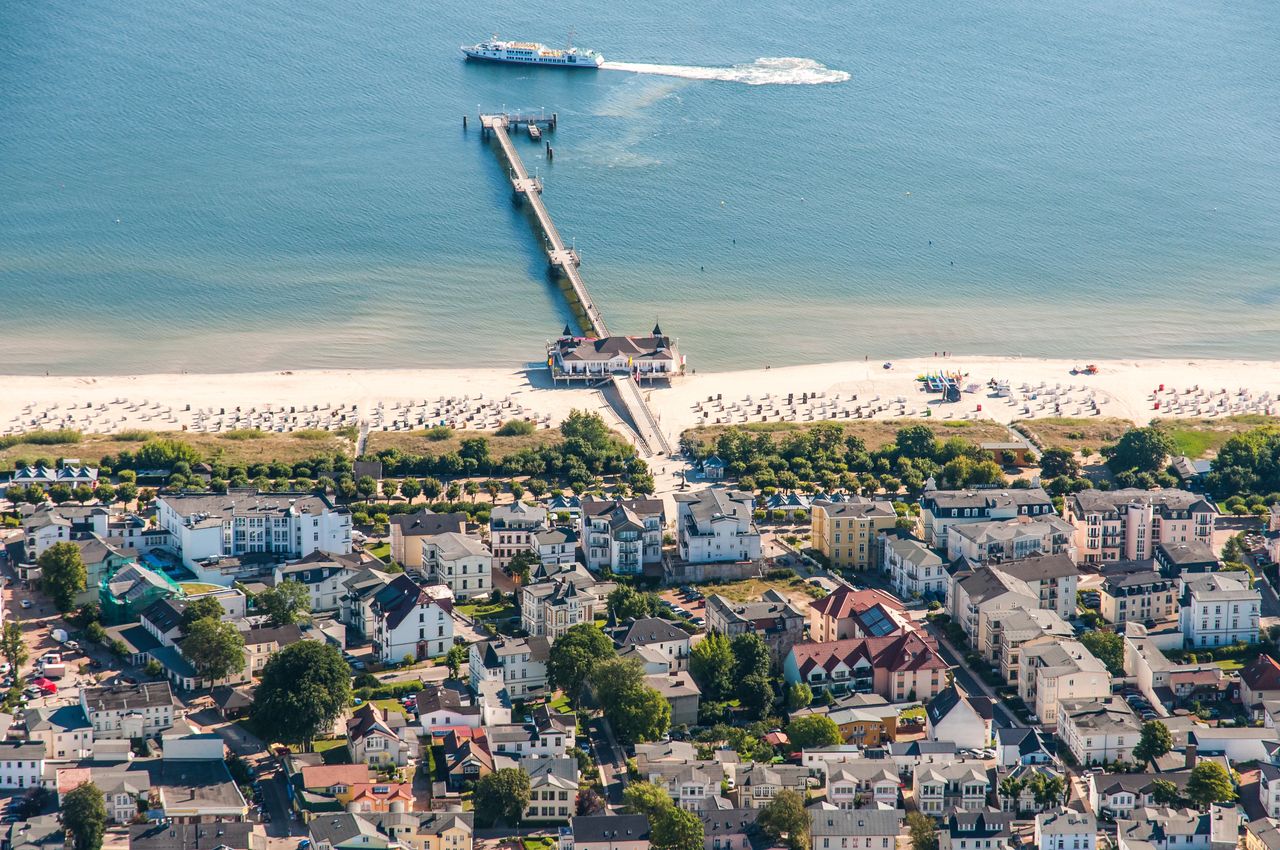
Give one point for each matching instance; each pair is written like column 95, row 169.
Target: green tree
column 13, row 646
column 636, row 711
column 784, row 819
column 431, row 487
column 755, row 694
column 127, row 492
column 750, row 656
column 304, row 688
column 645, row 798
column 675, row 829
column 502, row 797
column 366, row 486
column 1141, row 449
column 455, row 658
column 1210, row 783
column 1059, row 463
column 201, row 608
column 711, row 665
column 522, row 564
column 287, row 603
column 104, row 493
column 923, row 833
column 814, row 730
column 574, row 654
column 627, row 603
column 1165, row 793
column 214, row 648
column 916, row 441
column 799, row 695
column 84, row 814
column 1154, row 742
column 389, row 490
column 1107, row 647
column 63, row 574
column 60, row 493
column 410, row 488
column 1011, row 789
column 83, row 494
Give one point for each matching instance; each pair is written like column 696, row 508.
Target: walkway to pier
column 642, row 417
column 563, row 259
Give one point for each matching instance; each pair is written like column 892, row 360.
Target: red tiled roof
column 846, row 602
column 328, row 775
column 895, row 653
column 1262, row 674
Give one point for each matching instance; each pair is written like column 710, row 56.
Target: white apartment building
column 1052, row 671
column 410, row 620
column 243, row 522
column 916, row 571
column 560, row 598
column 623, row 535
column 323, row 576
column 511, row 530
column 716, row 526
column 1218, row 610
column 941, row 510
column 459, row 561
column 128, row 711
column 1064, row 829
column 517, row 664
column 1099, row 731
column 1011, row 539
column 21, row 764
column 1116, row 525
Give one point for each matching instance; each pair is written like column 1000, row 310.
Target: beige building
column 1115, row 525
column 407, row 531
column 1052, row 671
column 1011, row 539
column 1138, row 596
column 461, row 562
column 1003, row 632
column 847, row 532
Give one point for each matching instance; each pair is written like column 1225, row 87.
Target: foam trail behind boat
column 767, row 71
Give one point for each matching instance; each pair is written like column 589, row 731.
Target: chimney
column 1191, row 757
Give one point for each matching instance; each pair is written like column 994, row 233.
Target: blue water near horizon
column 244, row 186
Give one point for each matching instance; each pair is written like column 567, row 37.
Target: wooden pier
column 563, row 259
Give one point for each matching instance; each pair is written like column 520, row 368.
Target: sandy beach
column 480, row 399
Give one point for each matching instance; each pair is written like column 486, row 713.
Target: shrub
column 60, row 437
column 438, row 433
column 243, row 434
column 516, row 428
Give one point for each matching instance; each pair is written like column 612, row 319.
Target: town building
column 130, row 590
column 1260, row 682
column 143, row 710
column 646, row 358
column 518, row 664
column 1218, row 610
column 64, row 730
column 407, row 531
column 1003, row 631
column 408, row 620
column 1192, row 556
column 323, row 575
column 556, row 546
column 835, row 829
column 1011, row 539
column 624, row 535
column 1118, row 795
column 983, row 830
column 940, row 787
column 561, row 597
column 460, row 562
column 915, row 570
column 21, row 764
column 715, row 526
column 606, row 832
column 1064, row 829
column 377, row 737
column 511, row 530
column 665, row 637
column 1099, row 731
column 775, row 618
column 1139, row 596
column 1126, row 524
column 680, row 692
column 862, row 783
column 848, row 613
column 553, row 789
column 286, row 526
column 1163, row 828
column 1052, row 672
column 953, row 715
column 942, row 509
column 899, row 667
column 757, row 784
column 1261, row 834
column 848, row 532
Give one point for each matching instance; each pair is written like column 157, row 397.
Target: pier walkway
column 642, row 418
column 562, row 259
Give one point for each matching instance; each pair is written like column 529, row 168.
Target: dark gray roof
column 868, row 822
column 124, row 697
column 602, row 828
column 1165, row 501
column 425, row 523
column 190, row 836
column 1039, row 567
column 1185, row 554
column 988, row 499
column 649, row 630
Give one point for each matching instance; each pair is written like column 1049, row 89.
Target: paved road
column 971, row 681
column 275, row 800
column 611, row 760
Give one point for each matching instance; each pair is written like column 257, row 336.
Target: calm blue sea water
column 246, row 185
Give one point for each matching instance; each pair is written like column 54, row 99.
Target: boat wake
column 768, row 71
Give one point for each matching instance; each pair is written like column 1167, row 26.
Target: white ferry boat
column 532, row 53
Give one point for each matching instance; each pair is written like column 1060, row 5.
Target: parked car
column 26, row 603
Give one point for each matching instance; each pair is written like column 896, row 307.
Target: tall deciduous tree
column 84, row 814
column 636, row 711
column 1210, row 783
column 502, row 797
column 574, row 654
column 1107, row 647
column 674, row 828
column 13, row 646
column 814, row 730
column 645, row 798
column 750, row 656
column 1155, row 741
column 287, row 603
column 1143, row 449
column 711, row 665
column 201, row 608
column 923, row 833
column 305, row 686
column 214, row 648
column 63, row 574
column 784, row 819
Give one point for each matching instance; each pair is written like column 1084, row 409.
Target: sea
column 264, row 185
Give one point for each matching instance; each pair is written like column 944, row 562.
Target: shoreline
column 481, row 398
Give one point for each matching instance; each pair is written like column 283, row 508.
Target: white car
column 26, row 603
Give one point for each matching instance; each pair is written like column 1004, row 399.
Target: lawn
column 912, row 714
column 382, row 552
column 232, row 447
column 1197, row 438
column 488, row 610
column 538, row 842
column 418, row 442
column 751, row 589
column 875, row 433
column 332, row 751
column 1230, row 664
column 1093, row 432
column 389, row 705
column 196, row 587
column 560, row 704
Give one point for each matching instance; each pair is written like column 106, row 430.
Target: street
column 611, row 760
column 970, row 681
